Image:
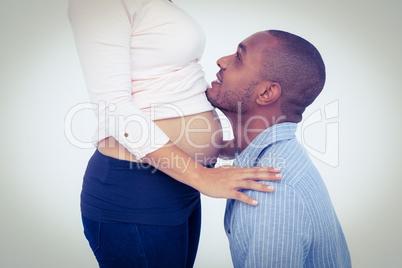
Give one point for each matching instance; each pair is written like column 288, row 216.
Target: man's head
column 272, row 73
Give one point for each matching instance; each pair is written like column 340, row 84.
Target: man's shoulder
column 291, row 157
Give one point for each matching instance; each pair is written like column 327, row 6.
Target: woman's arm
column 222, row 182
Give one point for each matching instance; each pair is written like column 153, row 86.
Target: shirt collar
column 271, row 135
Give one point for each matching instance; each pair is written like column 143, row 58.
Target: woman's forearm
column 222, row 182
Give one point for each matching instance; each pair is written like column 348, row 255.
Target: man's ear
column 269, row 93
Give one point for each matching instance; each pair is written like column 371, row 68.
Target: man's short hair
column 297, row 66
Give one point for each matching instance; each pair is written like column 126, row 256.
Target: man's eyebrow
column 243, row 48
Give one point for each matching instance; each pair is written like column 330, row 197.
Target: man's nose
column 223, row 62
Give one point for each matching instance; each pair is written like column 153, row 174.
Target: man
column 263, row 89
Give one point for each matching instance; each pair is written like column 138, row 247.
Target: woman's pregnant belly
column 198, row 135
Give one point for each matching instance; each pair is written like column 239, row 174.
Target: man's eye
column 237, row 55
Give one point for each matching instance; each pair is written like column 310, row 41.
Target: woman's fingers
column 236, row 178
column 254, row 173
column 251, row 185
column 256, row 186
column 226, row 181
column 260, row 174
column 269, row 169
column 245, row 198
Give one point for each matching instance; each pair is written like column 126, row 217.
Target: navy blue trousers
column 121, row 245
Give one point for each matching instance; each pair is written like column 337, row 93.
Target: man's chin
column 211, row 99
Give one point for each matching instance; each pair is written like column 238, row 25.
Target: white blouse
column 140, row 63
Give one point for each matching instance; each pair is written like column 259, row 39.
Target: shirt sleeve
column 273, row 234
column 102, row 32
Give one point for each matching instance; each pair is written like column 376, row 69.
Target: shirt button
column 228, row 231
column 126, row 135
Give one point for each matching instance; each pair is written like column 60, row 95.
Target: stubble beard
column 234, row 102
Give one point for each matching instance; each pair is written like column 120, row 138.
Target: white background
column 41, row 80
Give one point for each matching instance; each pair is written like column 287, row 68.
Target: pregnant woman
column 157, row 134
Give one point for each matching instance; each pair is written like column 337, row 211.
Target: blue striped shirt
column 294, row 226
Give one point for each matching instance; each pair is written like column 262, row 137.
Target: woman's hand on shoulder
column 221, row 182
column 226, row 181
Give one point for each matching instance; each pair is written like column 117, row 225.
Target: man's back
column 294, row 226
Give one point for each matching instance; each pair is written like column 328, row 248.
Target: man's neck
column 247, row 127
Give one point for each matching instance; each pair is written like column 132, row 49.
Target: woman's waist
column 198, row 135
